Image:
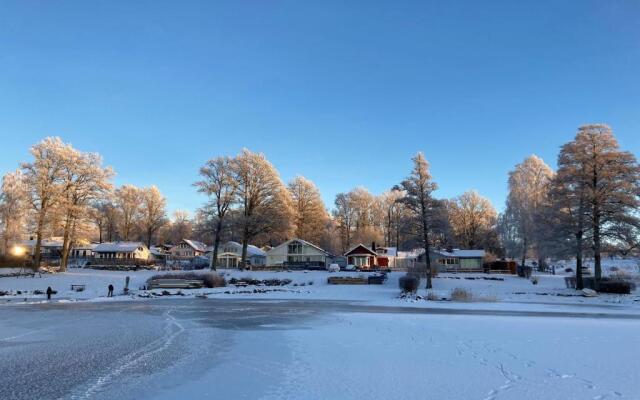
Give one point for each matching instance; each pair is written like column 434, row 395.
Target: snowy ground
column 246, row 349
column 508, row 292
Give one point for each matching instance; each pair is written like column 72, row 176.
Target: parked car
column 333, row 268
column 350, row 267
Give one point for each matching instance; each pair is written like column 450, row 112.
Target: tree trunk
column 39, row 229
column 579, row 283
column 65, row 244
column 5, row 245
column 524, row 252
column 216, row 242
column 245, row 245
column 597, row 247
column 425, row 236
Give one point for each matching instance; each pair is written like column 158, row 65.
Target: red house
column 362, row 257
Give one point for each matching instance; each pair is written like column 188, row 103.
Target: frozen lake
column 166, row 349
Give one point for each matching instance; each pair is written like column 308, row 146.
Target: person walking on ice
column 110, row 294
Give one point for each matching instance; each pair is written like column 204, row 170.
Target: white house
column 83, row 251
column 188, row 249
column 298, row 253
column 49, row 248
column 456, row 259
column 127, row 252
column 230, row 255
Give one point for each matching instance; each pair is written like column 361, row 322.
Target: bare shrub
column 409, row 283
column 460, row 294
column 212, row 280
column 619, row 275
column 209, row 279
column 432, row 296
column 617, row 287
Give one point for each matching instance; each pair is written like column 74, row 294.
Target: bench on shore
column 77, row 288
column 175, row 284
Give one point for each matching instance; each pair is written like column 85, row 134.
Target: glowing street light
column 18, row 251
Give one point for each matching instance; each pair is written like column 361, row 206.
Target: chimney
column 373, row 246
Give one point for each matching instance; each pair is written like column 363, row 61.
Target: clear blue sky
column 343, row 93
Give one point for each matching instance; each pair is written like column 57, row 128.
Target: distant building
column 362, row 257
column 230, row 255
column 456, row 259
column 188, row 249
column 49, row 248
column 83, row 251
column 298, row 253
column 121, row 252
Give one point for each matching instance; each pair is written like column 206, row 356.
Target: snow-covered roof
column 194, row 244
column 461, row 253
column 388, row 251
column 118, row 247
column 367, row 249
column 251, row 249
column 43, row 243
column 303, row 242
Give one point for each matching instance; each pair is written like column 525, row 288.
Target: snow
column 123, row 247
column 507, row 293
column 303, row 343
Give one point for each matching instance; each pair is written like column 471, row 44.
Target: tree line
column 588, row 206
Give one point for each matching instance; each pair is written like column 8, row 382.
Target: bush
column 619, row 275
column 409, row 283
column 617, row 287
column 460, row 294
column 432, row 296
column 212, row 280
column 209, row 279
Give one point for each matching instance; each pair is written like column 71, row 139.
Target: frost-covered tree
column 13, row 208
column 419, row 187
column 309, row 210
column 105, row 216
column 180, row 227
column 85, row 181
column 528, row 187
column 265, row 205
column 610, row 179
column 220, row 183
column 344, row 216
column 394, row 212
column 128, row 201
column 153, row 212
column 44, row 184
column 473, row 220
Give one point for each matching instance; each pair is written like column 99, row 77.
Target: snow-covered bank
column 489, row 291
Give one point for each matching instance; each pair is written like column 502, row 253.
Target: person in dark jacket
column 110, row 294
column 49, row 291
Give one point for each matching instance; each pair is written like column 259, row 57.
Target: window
column 361, row 261
column 295, row 248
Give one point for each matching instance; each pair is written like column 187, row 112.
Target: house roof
column 43, row 243
column 251, row 249
column 194, row 244
column 360, row 249
column 388, row 251
column 118, row 247
column 461, row 253
column 303, row 242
